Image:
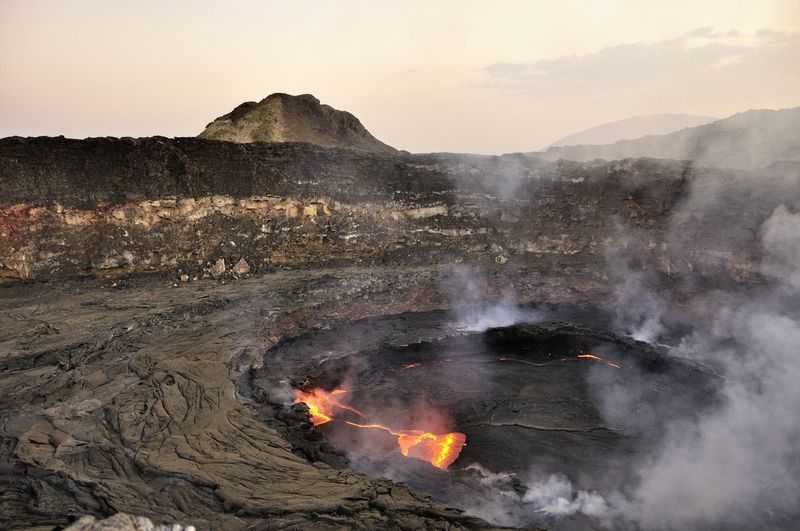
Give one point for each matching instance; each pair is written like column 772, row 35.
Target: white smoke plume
column 639, row 312
column 474, row 312
column 502, row 313
column 556, row 496
column 541, row 497
column 780, row 238
column 735, row 464
column 740, row 463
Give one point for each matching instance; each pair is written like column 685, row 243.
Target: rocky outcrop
column 285, row 118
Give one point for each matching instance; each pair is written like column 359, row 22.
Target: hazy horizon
column 421, row 76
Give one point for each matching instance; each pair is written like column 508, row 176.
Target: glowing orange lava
column 440, row 450
column 589, row 356
column 426, row 363
column 321, row 404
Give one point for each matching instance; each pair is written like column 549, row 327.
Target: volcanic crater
column 518, row 397
column 333, row 334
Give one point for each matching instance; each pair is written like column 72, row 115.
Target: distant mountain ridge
column 285, row 118
column 632, row 128
column 747, row 140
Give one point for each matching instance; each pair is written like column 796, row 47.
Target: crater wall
column 198, row 207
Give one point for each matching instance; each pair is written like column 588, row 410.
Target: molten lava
column 440, row 450
column 580, row 356
column 588, row 356
column 426, row 364
column 321, row 404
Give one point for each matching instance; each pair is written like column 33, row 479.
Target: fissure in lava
column 440, row 450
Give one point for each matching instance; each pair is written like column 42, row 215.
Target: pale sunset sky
column 424, row 75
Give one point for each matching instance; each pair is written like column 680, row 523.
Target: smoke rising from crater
column 474, row 311
column 738, row 462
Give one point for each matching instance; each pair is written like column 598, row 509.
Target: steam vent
column 285, row 323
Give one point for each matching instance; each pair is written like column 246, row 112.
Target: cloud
column 696, row 68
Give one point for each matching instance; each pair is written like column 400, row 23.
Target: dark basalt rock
column 177, row 206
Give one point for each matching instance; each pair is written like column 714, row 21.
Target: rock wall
column 193, row 207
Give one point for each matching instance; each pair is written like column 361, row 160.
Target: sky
column 421, row 75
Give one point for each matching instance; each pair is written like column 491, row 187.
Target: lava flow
column 322, row 403
column 426, row 363
column 588, row 356
column 440, row 450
